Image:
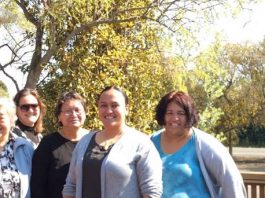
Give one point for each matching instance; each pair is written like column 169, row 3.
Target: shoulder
column 157, row 134
column 207, row 143
column 50, row 136
column 133, row 134
column 205, row 137
column 48, row 142
column 21, row 142
column 138, row 140
column 85, row 139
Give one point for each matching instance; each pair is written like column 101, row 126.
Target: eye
column 77, row 110
column 102, row 105
column 181, row 113
column 169, row 112
column 114, row 105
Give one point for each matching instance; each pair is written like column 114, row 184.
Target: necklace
column 103, row 140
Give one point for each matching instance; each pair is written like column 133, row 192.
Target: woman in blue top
column 15, row 155
column 195, row 164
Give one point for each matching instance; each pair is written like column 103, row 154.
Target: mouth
column 109, row 117
column 174, row 125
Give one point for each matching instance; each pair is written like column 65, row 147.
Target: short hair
column 66, row 96
column 184, row 101
column 117, row 89
column 38, row 126
column 10, row 107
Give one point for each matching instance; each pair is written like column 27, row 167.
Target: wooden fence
column 255, row 184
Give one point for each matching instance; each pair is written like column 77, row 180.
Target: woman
column 117, row 161
column 15, row 155
column 30, row 112
column 52, row 157
column 195, row 164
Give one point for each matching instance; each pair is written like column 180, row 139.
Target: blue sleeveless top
column 182, row 176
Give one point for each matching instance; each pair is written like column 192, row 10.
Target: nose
column 109, row 109
column 175, row 117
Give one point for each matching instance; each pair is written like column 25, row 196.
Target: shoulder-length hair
column 38, row 126
column 184, row 101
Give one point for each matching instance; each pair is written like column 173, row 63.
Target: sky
column 249, row 26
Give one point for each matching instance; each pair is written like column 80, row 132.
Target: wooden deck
column 255, row 183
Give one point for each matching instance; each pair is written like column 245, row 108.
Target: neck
column 24, row 127
column 172, row 143
column 178, row 137
column 74, row 134
column 113, row 131
column 4, row 136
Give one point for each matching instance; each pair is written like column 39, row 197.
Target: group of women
column 116, row 161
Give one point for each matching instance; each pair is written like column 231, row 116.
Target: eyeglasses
column 26, row 107
column 69, row 112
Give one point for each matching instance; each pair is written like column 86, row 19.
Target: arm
column 149, row 171
column 40, row 171
column 69, row 189
column 223, row 170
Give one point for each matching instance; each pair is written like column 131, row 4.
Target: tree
column 56, row 25
column 130, row 61
column 206, row 83
column 244, row 98
column 3, row 89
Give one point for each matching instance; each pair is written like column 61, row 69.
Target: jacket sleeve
column 40, row 170
column 149, row 170
column 222, row 169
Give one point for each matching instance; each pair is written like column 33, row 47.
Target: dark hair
column 117, row 89
column 184, row 101
column 70, row 95
column 38, row 126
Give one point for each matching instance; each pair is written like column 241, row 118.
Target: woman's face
column 112, row 108
column 5, row 120
column 28, row 110
column 175, row 120
column 72, row 114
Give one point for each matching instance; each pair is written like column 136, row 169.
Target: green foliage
column 244, row 98
column 123, row 55
column 206, row 84
column 85, row 45
column 252, row 135
column 3, row 89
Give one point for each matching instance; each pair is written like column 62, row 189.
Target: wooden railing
column 255, row 184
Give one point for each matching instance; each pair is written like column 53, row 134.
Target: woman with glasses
column 52, row 157
column 30, row 112
column 15, row 155
column 195, row 164
column 117, row 161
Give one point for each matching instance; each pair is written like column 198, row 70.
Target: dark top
column 93, row 159
column 28, row 133
column 50, row 166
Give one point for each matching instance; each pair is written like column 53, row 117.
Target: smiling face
column 28, row 110
column 5, row 121
column 112, row 108
column 175, row 120
column 72, row 114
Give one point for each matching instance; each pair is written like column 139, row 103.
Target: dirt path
column 250, row 159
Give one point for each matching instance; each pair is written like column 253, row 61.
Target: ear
column 17, row 108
